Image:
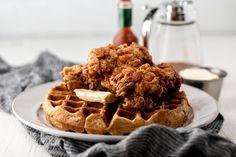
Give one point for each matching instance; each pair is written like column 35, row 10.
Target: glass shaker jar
column 171, row 34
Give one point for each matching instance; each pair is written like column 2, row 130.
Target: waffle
column 65, row 111
column 174, row 112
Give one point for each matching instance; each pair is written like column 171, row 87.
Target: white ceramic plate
column 26, row 108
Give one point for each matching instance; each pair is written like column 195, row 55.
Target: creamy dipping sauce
column 198, row 74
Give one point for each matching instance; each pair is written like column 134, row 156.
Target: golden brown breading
column 126, row 71
column 77, row 76
column 103, row 60
column 135, row 83
column 134, row 80
column 146, row 79
column 169, row 77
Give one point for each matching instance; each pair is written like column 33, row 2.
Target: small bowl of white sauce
column 205, row 78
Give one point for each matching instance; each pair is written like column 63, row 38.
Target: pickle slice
column 103, row 97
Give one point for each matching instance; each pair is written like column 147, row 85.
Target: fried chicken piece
column 77, row 76
column 145, row 79
column 133, row 84
column 101, row 63
column 129, row 79
column 103, row 60
column 126, row 71
column 169, row 77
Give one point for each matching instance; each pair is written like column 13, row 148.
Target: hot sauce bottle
column 125, row 34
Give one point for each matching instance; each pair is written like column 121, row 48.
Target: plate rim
column 84, row 136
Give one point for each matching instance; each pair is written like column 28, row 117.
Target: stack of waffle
column 66, row 111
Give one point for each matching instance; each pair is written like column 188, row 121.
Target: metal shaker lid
column 177, row 12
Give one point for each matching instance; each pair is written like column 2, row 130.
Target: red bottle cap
column 125, row 0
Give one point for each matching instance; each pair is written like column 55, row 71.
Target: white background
column 96, row 17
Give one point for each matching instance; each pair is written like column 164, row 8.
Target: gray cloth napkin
column 153, row 140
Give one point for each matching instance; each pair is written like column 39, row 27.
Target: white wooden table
column 219, row 51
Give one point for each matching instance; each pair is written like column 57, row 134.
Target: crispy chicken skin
column 128, row 72
column 77, row 76
column 136, row 84
column 144, row 80
column 102, row 61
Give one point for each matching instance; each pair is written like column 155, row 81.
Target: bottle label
column 125, row 14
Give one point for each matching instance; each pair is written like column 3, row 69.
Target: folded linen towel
column 152, row 140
